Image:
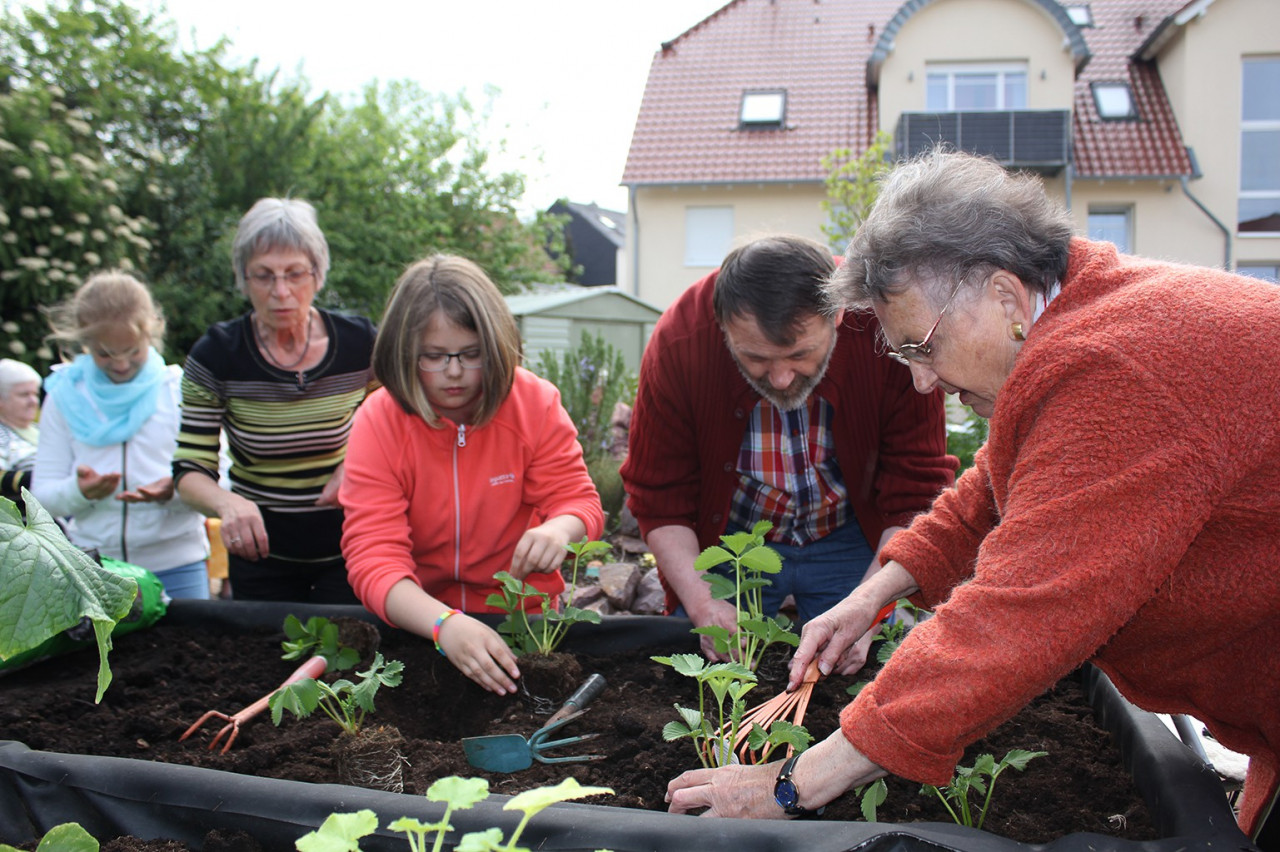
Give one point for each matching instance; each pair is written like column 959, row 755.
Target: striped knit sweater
column 285, row 435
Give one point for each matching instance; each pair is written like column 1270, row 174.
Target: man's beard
column 801, row 386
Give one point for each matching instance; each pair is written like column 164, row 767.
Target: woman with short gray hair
column 1123, row 511
column 19, row 434
column 282, row 382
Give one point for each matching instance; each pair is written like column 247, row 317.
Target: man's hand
column 719, row 613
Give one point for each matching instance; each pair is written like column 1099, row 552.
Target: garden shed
column 554, row 320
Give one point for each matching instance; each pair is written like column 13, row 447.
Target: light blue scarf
column 99, row 411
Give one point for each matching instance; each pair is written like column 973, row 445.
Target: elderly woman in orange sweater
column 464, row 464
column 1123, row 512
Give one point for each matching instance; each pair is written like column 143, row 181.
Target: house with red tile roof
column 1157, row 122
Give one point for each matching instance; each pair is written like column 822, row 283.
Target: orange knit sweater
column 1125, row 511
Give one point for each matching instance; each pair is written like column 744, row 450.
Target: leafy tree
column 852, row 187
column 164, row 150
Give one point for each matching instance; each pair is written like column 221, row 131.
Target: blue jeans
column 818, row 575
column 186, row 581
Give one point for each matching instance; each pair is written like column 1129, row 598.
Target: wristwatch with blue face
column 786, row 794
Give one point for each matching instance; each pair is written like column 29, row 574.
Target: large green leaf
column 48, row 585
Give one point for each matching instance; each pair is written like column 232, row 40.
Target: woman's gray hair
column 15, row 373
column 944, row 216
column 279, row 223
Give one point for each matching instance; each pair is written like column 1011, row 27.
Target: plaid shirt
column 788, row 474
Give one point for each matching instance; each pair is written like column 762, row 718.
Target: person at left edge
column 283, row 382
column 462, row 465
column 19, row 433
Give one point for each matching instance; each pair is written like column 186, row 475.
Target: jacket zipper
column 457, row 518
column 124, row 506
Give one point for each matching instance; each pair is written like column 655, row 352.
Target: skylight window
column 763, row 109
column 1114, row 101
column 1081, row 16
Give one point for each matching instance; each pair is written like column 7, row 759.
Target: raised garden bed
column 120, row 773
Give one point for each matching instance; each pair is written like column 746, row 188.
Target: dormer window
column 1080, row 15
column 763, row 109
column 1114, row 101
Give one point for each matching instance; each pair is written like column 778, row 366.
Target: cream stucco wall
column 954, row 31
column 758, row 210
column 1201, row 70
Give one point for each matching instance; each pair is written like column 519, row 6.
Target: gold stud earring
column 1015, row 329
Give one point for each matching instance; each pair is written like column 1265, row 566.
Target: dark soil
column 168, row 675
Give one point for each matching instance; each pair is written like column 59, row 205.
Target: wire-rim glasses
column 292, row 277
column 438, row 362
column 922, row 352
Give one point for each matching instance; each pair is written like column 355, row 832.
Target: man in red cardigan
column 757, row 403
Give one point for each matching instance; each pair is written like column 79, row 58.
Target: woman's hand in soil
column 542, row 549
column 822, row 773
column 477, row 651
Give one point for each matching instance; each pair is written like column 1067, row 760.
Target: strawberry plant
column 317, row 637
column 714, row 737
column 750, row 560
column 544, row 634
column 344, row 702
column 980, row 778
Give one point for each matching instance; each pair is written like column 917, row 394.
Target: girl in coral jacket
column 462, row 465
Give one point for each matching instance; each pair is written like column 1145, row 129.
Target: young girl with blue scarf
column 108, row 431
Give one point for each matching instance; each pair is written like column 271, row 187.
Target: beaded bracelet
column 435, row 630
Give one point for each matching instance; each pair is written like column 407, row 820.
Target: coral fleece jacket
column 445, row 507
column 1124, row 511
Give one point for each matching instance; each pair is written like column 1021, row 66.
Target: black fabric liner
column 110, row 796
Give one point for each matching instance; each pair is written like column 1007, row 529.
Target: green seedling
column 343, row 832
column 456, row 794
column 67, row 837
column 781, row 732
column 344, row 702
column 47, row 585
column 317, row 637
column 751, row 560
column 544, row 634
column 713, row 737
column 871, row 797
column 980, row 778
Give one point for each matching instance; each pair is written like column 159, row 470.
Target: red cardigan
column 1124, row 511
column 693, row 406
column 423, row 505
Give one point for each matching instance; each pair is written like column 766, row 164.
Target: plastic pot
column 112, row 796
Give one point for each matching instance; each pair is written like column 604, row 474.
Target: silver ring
column 235, row 541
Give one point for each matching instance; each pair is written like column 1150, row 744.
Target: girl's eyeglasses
column 436, row 362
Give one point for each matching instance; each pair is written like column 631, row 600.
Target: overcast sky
column 570, row 72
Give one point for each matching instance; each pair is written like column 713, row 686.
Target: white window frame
column 708, row 234
column 1126, row 213
column 952, row 70
column 1270, row 125
column 1113, row 99
column 763, row 108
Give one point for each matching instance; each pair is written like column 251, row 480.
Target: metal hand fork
column 312, row 668
column 511, row 752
